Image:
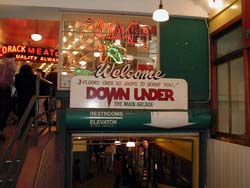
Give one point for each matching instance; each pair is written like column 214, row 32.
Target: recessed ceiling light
column 36, row 37
column 234, row 7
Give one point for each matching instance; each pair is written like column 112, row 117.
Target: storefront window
column 88, row 40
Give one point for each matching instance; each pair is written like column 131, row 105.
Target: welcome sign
column 128, row 90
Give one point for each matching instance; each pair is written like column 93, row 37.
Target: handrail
column 18, row 130
column 12, row 159
column 38, row 82
column 45, row 80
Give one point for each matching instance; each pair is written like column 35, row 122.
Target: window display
column 89, row 40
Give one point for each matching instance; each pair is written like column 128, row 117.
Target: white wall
column 228, row 165
column 175, row 7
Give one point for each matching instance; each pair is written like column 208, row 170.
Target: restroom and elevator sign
column 124, row 120
column 128, row 93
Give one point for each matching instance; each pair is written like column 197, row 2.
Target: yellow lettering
column 19, row 48
column 9, row 48
column 23, row 49
column 14, row 49
column 4, row 49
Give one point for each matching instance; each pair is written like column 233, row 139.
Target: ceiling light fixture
column 36, row 36
column 117, row 142
column 130, row 144
column 160, row 15
column 215, row 3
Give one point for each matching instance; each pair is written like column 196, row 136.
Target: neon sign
column 105, row 71
column 115, row 54
column 100, row 35
column 27, row 53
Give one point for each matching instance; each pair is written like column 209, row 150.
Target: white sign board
column 92, row 92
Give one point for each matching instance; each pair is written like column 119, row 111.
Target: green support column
column 68, row 174
column 203, row 159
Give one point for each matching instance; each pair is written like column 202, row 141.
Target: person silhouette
column 117, row 170
column 7, row 72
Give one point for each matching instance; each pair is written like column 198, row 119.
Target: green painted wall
column 184, row 53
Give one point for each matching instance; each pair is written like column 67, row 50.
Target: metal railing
column 12, row 160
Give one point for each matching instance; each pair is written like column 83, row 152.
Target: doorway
column 146, row 161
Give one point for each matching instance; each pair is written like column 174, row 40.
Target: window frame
column 242, row 52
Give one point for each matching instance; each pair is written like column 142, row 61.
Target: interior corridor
column 108, row 164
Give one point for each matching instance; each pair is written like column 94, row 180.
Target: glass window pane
column 223, row 99
column 229, row 42
column 237, row 96
column 88, row 40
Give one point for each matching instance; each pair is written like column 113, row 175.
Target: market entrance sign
column 128, row 93
column 115, row 98
column 28, row 53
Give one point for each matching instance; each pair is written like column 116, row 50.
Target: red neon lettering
column 31, row 50
column 111, row 31
column 19, row 48
column 9, row 48
column 39, row 51
column 103, row 59
column 46, row 52
column 4, row 50
column 23, row 49
column 107, row 93
column 57, row 54
column 52, row 52
column 14, row 49
column 154, row 94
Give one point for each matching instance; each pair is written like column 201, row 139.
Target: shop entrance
column 134, row 160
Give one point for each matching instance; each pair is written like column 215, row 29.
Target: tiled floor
column 103, row 181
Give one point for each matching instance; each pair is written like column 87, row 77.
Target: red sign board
column 145, row 67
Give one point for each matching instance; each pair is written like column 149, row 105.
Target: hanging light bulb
column 215, row 3
column 117, row 142
column 36, row 36
column 130, row 144
column 160, row 15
